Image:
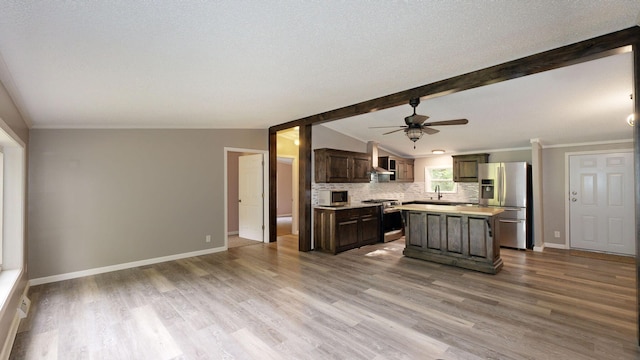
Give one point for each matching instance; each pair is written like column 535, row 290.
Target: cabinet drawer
column 369, row 211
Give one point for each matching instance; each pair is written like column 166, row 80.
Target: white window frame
column 428, row 181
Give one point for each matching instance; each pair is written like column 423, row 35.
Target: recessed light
column 438, row 152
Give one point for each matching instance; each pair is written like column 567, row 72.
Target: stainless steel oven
column 391, row 224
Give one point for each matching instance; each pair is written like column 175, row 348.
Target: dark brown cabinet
column 465, row 167
column 402, row 169
column 339, row 166
column 337, row 230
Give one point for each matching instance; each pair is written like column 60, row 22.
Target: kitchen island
column 454, row 235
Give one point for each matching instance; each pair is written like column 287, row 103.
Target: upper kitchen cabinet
column 401, row 169
column 339, row 166
column 465, row 167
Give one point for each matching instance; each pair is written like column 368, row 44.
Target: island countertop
column 453, row 209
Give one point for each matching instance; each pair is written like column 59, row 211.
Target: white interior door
column 601, row 198
column 250, row 195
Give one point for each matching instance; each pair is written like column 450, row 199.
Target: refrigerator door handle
column 501, row 186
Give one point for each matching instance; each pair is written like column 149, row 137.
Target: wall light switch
column 207, row 238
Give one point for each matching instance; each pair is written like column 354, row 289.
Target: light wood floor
column 268, row 301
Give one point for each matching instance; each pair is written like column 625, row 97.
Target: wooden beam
column 553, row 59
column 304, row 189
column 636, row 154
column 273, row 186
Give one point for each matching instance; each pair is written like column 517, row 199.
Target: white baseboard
column 13, row 329
column 233, row 233
column 538, row 248
column 556, row 246
column 105, row 269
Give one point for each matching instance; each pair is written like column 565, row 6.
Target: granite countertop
column 453, row 209
column 354, row 205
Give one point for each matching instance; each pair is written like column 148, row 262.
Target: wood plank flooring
column 268, row 301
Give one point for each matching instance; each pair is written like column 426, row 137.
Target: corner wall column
column 538, row 220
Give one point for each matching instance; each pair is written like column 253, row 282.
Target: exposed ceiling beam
column 576, row 53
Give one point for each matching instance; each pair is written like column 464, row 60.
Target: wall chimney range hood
column 378, row 174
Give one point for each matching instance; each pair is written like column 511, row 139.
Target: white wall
column 105, row 197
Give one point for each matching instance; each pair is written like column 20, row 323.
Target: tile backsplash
column 466, row 192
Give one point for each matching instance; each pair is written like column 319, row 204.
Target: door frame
column 265, row 190
column 567, row 173
column 294, row 192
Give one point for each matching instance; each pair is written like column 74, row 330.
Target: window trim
column 428, row 180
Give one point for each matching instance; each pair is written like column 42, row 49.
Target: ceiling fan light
column 631, row 119
column 414, row 134
column 437, row 152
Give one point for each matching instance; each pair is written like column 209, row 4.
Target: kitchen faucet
column 437, row 190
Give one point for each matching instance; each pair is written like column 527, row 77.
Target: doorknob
column 574, row 199
column 574, row 193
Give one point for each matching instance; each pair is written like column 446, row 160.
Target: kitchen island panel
column 453, row 238
column 433, row 231
column 478, row 244
column 455, row 241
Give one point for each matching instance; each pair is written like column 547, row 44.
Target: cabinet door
column 465, row 167
column 346, row 229
column 338, row 168
column 370, row 227
column 467, row 170
column 346, row 234
column 361, row 167
column 401, row 173
column 409, row 177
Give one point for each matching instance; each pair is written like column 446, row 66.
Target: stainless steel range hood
column 378, row 174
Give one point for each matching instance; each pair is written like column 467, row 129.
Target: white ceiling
column 253, row 64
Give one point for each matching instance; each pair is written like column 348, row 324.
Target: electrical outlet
column 556, row 234
column 23, row 308
column 207, row 238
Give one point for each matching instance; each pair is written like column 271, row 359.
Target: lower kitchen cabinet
column 337, row 230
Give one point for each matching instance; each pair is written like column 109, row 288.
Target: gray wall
column 553, row 186
column 323, row 137
column 107, row 197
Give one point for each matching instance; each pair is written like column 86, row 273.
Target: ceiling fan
column 416, row 126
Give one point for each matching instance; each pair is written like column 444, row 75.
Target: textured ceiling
column 253, row 64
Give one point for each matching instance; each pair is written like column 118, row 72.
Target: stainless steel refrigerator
column 508, row 185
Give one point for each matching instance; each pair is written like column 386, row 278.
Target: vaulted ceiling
column 253, row 64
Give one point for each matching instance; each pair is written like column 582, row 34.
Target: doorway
column 257, row 185
column 284, row 201
column 601, row 202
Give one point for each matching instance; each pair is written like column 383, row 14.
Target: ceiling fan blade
column 386, row 127
column 448, row 122
column 390, row 132
column 415, row 119
column 429, row 130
